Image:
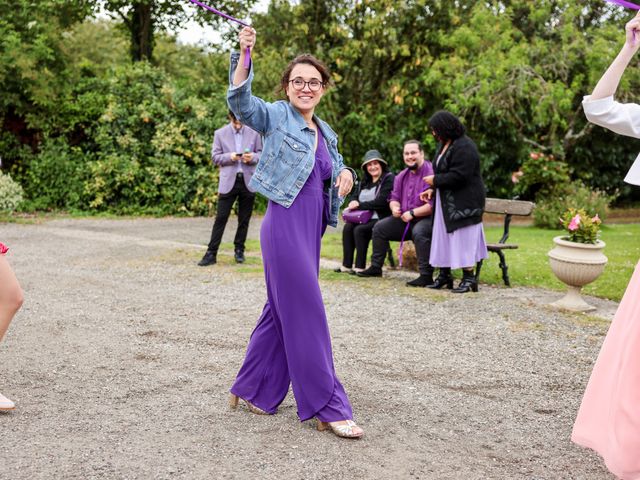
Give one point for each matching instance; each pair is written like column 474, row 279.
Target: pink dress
column 609, row 417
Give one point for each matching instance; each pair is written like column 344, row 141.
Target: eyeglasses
column 299, row 84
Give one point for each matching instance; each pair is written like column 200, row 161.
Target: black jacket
column 381, row 202
column 458, row 178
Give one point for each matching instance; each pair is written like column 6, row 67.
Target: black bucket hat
column 372, row 155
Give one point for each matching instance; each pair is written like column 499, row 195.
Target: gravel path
column 122, row 355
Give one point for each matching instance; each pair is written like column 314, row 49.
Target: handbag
column 357, row 216
column 360, row 216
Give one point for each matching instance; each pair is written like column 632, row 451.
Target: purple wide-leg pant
column 291, row 342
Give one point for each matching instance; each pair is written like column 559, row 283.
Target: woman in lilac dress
column 458, row 237
column 10, row 303
column 303, row 176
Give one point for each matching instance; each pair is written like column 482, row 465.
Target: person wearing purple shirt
column 410, row 217
column 236, row 150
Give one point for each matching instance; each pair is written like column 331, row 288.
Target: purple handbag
column 361, row 216
column 357, row 216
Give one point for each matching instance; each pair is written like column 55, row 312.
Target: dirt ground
column 121, row 359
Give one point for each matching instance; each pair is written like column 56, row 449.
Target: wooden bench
column 508, row 208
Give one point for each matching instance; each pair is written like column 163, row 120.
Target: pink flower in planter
column 574, row 224
column 596, row 219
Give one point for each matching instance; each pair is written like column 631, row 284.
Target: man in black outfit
column 236, row 150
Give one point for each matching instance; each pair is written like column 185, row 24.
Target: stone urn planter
column 576, row 265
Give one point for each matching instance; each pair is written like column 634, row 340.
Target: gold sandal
column 344, row 430
column 233, row 403
column 6, row 404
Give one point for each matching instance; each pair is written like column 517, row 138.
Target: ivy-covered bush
column 56, row 176
column 10, row 193
column 147, row 151
column 153, row 147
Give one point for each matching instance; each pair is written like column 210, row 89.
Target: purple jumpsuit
column 291, row 342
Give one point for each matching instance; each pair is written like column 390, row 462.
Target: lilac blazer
column 223, row 145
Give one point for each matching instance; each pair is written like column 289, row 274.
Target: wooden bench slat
column 501, row 246
column 511, row 207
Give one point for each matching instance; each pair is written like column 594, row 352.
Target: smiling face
column 304, row 100
column 413, row 156
column 374, row 169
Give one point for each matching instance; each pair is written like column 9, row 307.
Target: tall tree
column 515, row 71
column 143, row 18
column 33, row 68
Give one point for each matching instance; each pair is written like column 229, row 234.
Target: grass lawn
column 529, row 265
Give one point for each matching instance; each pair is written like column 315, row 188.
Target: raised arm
column 247, row 39
column 609, row 82
column 249, row 109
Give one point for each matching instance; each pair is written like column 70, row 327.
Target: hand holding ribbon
column 247, row 57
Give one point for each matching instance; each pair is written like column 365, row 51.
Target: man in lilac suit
column 236, row 150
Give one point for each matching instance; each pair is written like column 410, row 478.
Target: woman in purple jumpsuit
column 291, row 342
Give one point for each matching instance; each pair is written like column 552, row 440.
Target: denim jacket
column 288, row 152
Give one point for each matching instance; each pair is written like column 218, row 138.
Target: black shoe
column 469, row 283
column 239, row 256
column 422, row 281
column 444, row 280
column 208, row 259
column 370, row 272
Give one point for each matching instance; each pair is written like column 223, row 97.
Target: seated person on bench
column 371, row 194
column 410, row 217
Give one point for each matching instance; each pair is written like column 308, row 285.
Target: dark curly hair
column 446, row 125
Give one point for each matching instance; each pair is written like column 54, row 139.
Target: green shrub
column 549, row 210
column 55, row 178
column 10, row 193
column 542, row 176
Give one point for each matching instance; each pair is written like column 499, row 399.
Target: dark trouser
column 245, row 208
column 356, row 236
column 391, row 229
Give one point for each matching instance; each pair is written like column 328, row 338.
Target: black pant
column 392, row 228
column 356, row 236
column 245, row 208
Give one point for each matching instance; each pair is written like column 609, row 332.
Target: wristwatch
column 411, row 213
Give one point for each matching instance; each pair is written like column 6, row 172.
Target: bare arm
column 422, row 210
column 608, row 84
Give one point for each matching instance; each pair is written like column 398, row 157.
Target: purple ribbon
column 247, row 56
column 625, row 4
column 406, row 229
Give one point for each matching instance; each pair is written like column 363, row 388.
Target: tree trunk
column 141, row 28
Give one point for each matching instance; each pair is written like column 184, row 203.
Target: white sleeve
column 621, row 118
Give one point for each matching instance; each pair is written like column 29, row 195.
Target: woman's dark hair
column 309, row 59
column 446, row 125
